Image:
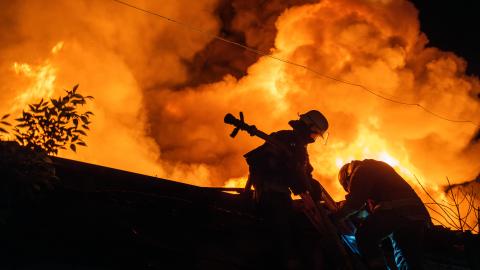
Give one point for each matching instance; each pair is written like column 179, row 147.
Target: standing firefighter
column 275, row 175
column 395, row 211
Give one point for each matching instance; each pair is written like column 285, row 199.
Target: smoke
column 115, row 53
column 162, row 91
column 374, row 43
column 248, row 22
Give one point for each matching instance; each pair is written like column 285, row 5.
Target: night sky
column 453, row 26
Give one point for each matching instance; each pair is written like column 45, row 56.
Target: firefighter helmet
column 344, row 176
column 315, row 121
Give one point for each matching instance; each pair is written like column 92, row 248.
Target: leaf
column 80, row 132
column 79, row 101
column 5, row 116
column 52, row 124
column 19, row 138
column 84, row 119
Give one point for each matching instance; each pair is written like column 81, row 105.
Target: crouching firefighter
column 395, row 210
column 274, row 175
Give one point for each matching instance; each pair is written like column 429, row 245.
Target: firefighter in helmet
column 275, row 175
column 395, row 210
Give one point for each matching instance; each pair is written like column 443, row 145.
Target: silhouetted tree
column 52, row 124
column 26, row 171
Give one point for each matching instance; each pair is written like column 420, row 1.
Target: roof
column 104, row 218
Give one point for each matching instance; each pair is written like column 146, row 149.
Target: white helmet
column 315, row 121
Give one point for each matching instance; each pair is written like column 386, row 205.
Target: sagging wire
column 319, row 74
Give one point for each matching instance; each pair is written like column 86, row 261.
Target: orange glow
column 236, row 182
column 146, row 119
column 42, row 79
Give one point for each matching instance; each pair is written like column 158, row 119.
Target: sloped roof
column 104, row 218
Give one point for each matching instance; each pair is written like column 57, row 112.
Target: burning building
column 164, row 81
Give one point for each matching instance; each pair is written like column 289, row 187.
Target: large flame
column 149, row 120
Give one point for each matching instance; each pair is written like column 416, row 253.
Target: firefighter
column 274, row 175
column 395, row 210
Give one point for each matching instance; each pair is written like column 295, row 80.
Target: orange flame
column 147, row 121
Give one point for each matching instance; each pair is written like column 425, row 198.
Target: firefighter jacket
column 273, row 171
column 379, row 187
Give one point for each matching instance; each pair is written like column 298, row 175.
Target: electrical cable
column 319, row 74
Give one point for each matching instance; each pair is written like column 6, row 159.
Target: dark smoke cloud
column 375, row 43
column 249, row 22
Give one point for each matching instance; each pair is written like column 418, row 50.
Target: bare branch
column 453, row 225
column 431, row 198
column 439, row 222
column 457, row 205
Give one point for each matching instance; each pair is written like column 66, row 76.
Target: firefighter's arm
column 304, row 181
column 346, row 210
column 308, row 203
column 316, row 190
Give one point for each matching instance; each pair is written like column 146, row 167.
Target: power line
column 319, row 74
